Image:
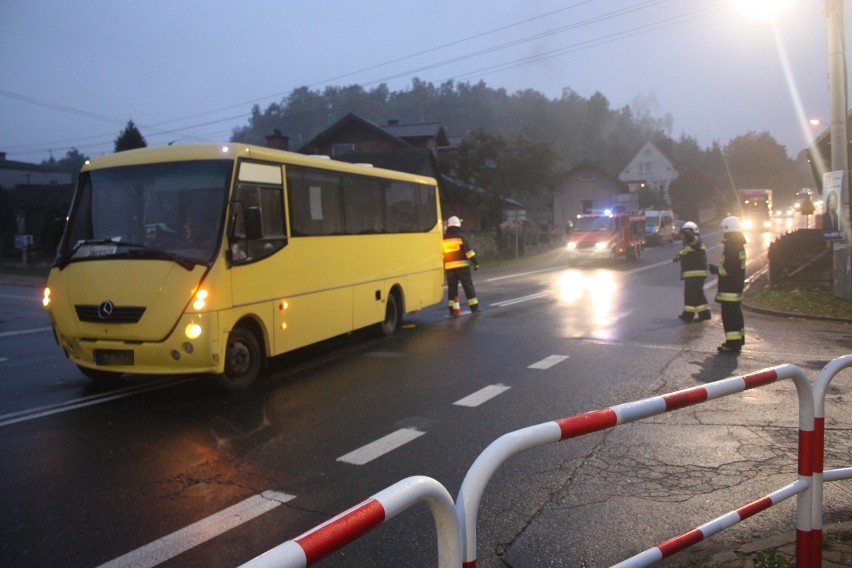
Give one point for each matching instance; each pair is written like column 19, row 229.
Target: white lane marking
column 24, row 332
column 380, row 447
column 521, row 299
column 521, row 274
column 481, row 396
column 13, row 297
column 180, row 541
column 548, row 362
column 42, row 411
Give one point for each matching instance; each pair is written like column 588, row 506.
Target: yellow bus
column 209, row 259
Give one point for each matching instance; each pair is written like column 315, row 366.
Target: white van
column 659, row 226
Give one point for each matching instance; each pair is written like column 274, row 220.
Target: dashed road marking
column 23, row 332
column 380, row 447
column 548, row 362
column 481, row 396
column 195, row 534
column 512, row 301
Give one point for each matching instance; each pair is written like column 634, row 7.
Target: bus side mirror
column 253, row 223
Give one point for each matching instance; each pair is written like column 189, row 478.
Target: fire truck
column 756, row 209
column 606, row 235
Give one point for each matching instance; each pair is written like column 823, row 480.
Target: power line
column 448, row 61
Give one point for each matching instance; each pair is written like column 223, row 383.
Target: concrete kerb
column 751, row 282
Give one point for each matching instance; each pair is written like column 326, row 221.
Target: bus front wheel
column 243, row 358
column 393, row 316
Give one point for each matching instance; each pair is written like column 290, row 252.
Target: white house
column 651, row 167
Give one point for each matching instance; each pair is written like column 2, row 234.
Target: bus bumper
column 178, row 354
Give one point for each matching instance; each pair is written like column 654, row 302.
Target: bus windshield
column 172, row 211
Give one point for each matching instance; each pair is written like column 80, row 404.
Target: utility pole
column 839, row 139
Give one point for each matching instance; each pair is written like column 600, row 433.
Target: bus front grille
column 116, row 314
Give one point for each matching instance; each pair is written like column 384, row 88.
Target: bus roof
column 232, row 151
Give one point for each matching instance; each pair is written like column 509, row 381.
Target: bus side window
column 258, row 223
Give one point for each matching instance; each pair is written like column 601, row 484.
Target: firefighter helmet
column 730, row 224
column 690, row 226
column 453, row 222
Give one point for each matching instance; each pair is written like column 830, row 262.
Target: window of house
column 340, row 149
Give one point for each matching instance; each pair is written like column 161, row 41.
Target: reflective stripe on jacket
column 457, row 252
column 732, row 268
column 693, row 260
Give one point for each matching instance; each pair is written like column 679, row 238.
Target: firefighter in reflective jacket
column 458, row 256
column 731, row 271
column 693, row 272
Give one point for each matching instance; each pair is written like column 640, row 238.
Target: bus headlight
column 192, row 331
column 601, row 245
column 45, row 300
column 571, row 245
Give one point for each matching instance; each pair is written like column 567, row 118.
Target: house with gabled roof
column 584, row 188
column 650, row 168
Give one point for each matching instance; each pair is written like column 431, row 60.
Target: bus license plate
column 108, row 357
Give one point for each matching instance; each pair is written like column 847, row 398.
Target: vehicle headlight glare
column 572, row 245
column 192, row 331
column 600, row 246
column 45, row 300
column 200, row 300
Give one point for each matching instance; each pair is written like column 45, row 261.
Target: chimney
column 277, row 140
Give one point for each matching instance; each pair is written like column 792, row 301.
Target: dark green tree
column 129, row 138
column 501, row 169
column 72, row 162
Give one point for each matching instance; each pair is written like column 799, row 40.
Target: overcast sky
column 73, row 73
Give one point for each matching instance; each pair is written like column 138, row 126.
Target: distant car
column 659, row 226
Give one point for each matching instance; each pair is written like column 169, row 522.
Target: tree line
column 551, row 135
column 518, row 144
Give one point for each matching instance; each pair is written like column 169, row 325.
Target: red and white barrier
column 456, row 523
column 480, row 473
column 687, row 539
column 820, row 388
column 339, row 531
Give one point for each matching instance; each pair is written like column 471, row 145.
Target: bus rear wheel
column 243, row 359
column 393, row 316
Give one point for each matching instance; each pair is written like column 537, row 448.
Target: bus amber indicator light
column 200, row 299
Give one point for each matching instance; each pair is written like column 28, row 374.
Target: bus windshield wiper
column 113, row 241
column 141, row 251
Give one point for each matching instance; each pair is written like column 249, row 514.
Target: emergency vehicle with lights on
column 606, row 235
column 209, row 259
column 755, row 208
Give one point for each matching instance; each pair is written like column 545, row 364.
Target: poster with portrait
column 835, row 210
